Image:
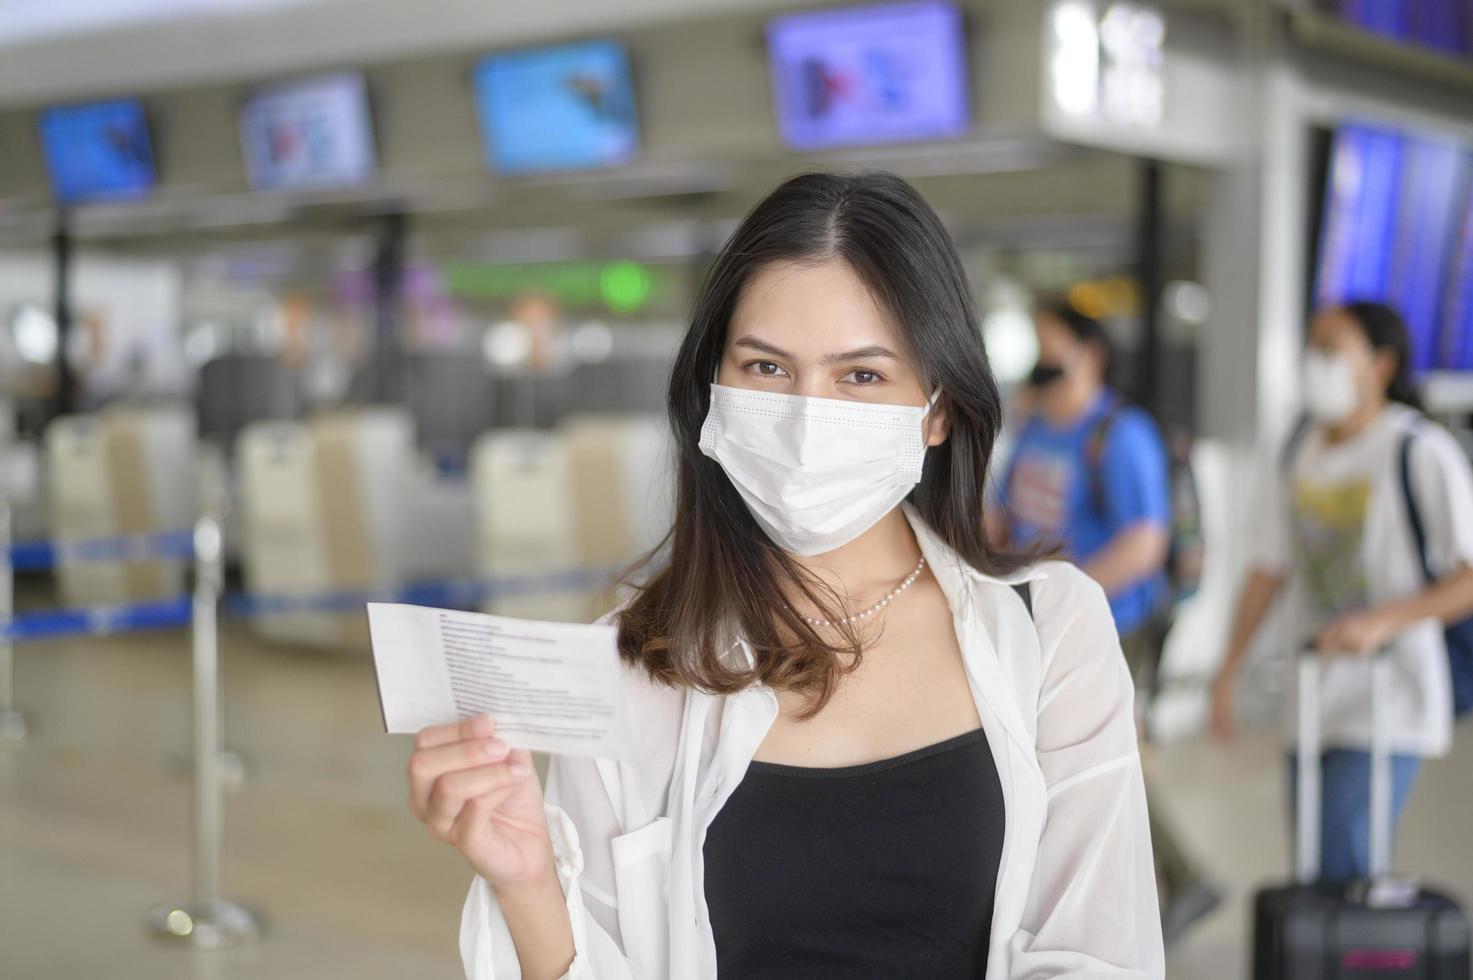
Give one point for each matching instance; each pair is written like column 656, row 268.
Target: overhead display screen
column 315, row 133
column 561, row 108
column 1445, row 26
column 1456, row 343
column 1391, row 227
column 880, row 74
column 98, row 152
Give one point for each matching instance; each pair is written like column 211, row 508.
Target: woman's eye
column 863, row 377
column 767, row 369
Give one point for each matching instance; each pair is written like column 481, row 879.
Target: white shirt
column 1337, row 523
column 1076, row 889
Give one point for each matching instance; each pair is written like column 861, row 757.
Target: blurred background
column 393, row 288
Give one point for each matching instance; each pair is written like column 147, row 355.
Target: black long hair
column 724, row 574
column 1385, row 330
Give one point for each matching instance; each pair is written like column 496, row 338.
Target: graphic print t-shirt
column 1329, row 519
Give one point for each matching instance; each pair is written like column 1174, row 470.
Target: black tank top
column 879, row 870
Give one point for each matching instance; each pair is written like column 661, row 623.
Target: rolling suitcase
column 1383, row 927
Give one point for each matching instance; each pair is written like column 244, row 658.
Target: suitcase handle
column 1307, row 808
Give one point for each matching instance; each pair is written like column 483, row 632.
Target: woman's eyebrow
column 762, row 346
column 874, row 350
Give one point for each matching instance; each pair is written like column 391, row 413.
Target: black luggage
column 1383, row 927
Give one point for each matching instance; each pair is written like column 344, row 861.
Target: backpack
column 1185, row 550
column 1459, row 635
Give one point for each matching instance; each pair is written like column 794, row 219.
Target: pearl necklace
column 905, row 583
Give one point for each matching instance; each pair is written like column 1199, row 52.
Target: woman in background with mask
column 869, row 744
column 1333, row 514
column 1089, row 475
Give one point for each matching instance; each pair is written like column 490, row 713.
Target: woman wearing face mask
column 1089, row 475
column 1334, row 516
column 862, row 753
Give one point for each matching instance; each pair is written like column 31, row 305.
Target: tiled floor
column 95, row 819
column 94, row 822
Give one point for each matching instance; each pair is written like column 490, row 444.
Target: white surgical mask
column 816, row 473
column 1328, row 384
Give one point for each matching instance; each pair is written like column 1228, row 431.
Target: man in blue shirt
column 1092, row 479
column 1089, row 476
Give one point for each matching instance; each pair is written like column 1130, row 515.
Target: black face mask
column 1045, row 374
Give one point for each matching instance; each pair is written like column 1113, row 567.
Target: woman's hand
column 1361, row 632
column 479, row 795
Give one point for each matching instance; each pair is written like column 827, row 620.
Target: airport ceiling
column 993, row 184
column 51, row 51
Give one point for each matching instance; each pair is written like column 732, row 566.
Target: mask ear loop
column 930, row 406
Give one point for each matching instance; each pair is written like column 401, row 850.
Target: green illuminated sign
column 623, row 286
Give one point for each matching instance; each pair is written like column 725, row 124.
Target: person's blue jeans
column 1345, row 808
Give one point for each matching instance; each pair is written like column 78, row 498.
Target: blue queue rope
column 177, row 612
column 39, row 555
column 100, row 620
column 103, row 620
column 451, row 593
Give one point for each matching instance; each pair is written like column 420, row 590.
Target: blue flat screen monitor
column 569, row 107
column 1457, row 324
column 311, row 134
column 882, row 74
column 1391, row 221
column 1445, row 26
column 98, row 152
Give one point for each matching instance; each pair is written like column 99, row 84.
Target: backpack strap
column 1094, row 454
column 1414, row 519
column 1292, row 444
column 1026, row 594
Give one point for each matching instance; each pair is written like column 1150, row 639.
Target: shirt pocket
column 641, row 879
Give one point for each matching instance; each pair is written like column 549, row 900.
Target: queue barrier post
column 206, row 920
column 12, row 723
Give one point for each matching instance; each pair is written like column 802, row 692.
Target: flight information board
column 1445, row 26
column 1391, row 228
